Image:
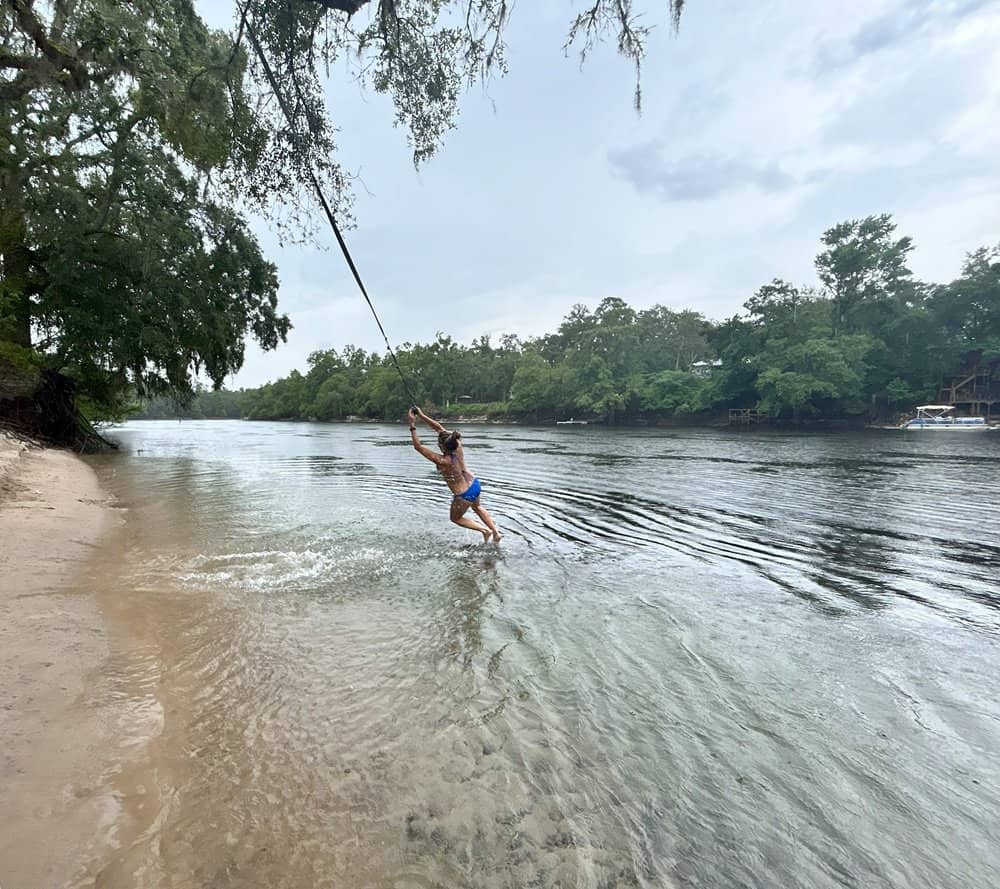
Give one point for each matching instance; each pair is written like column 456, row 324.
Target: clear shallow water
column 710, row 659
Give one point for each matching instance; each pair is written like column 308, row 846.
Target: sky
column 763, row 124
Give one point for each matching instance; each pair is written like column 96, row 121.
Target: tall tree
column 671, row 339
column 124, row 129
column 968, row 309
column 863, row 269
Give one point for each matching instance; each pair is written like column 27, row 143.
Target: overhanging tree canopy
column 130, row 133
column 125, row 131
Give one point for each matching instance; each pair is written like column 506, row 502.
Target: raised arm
column 434, row 424
column 418, row 446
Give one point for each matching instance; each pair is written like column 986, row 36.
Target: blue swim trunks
column 470, row 493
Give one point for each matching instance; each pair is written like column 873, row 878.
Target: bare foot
column 486, row 535
column 497, row 536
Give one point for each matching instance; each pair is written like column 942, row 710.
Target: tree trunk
column 15, row 263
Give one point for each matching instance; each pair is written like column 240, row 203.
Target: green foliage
column 817, row 376
column 898, row 393
column 675, row 392
column 125, row 135
column 541, row 387
column 19, row 357
column 968, row 311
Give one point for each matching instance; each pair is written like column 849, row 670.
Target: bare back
column 453, row 470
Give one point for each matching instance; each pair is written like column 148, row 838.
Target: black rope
column 252, row 34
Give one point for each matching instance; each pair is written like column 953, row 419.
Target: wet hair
column 449, row 440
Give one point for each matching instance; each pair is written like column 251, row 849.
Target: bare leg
column 488, row 519
column 458, row 508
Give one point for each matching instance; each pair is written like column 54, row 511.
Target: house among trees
column 704, row 368
column 976, row 390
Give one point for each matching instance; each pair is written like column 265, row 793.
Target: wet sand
column 59, row 717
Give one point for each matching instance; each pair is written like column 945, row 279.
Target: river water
column 698, row 659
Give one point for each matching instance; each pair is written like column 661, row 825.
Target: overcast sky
column 763, row 124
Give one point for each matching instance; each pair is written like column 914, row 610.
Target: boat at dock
column 938, row 418
column 572, row 422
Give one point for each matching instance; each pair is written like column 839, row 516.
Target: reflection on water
column 699, row 659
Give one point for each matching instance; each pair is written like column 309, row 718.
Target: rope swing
column 252, row 34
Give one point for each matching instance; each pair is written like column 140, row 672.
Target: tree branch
column 32, row 26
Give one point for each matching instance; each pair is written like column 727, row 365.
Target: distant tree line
column 868, row 341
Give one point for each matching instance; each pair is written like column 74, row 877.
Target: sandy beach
column 58, row 710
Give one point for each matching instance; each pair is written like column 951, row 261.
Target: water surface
column 699, row 658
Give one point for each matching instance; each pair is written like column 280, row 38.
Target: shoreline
column 60, row 713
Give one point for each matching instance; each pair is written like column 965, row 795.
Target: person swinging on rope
column 463, row 484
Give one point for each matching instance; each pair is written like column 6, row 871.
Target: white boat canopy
column 935, row 407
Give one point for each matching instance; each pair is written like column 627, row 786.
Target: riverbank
column 59, row 713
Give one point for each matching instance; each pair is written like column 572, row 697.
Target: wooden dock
column 746, row 416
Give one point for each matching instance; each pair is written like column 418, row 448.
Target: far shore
column 59, row 717
column 716, row 423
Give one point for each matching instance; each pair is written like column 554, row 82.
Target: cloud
column 900, row 25
column 933, row 94
column 938, row 87
column 888, row 29
column 694, row 178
